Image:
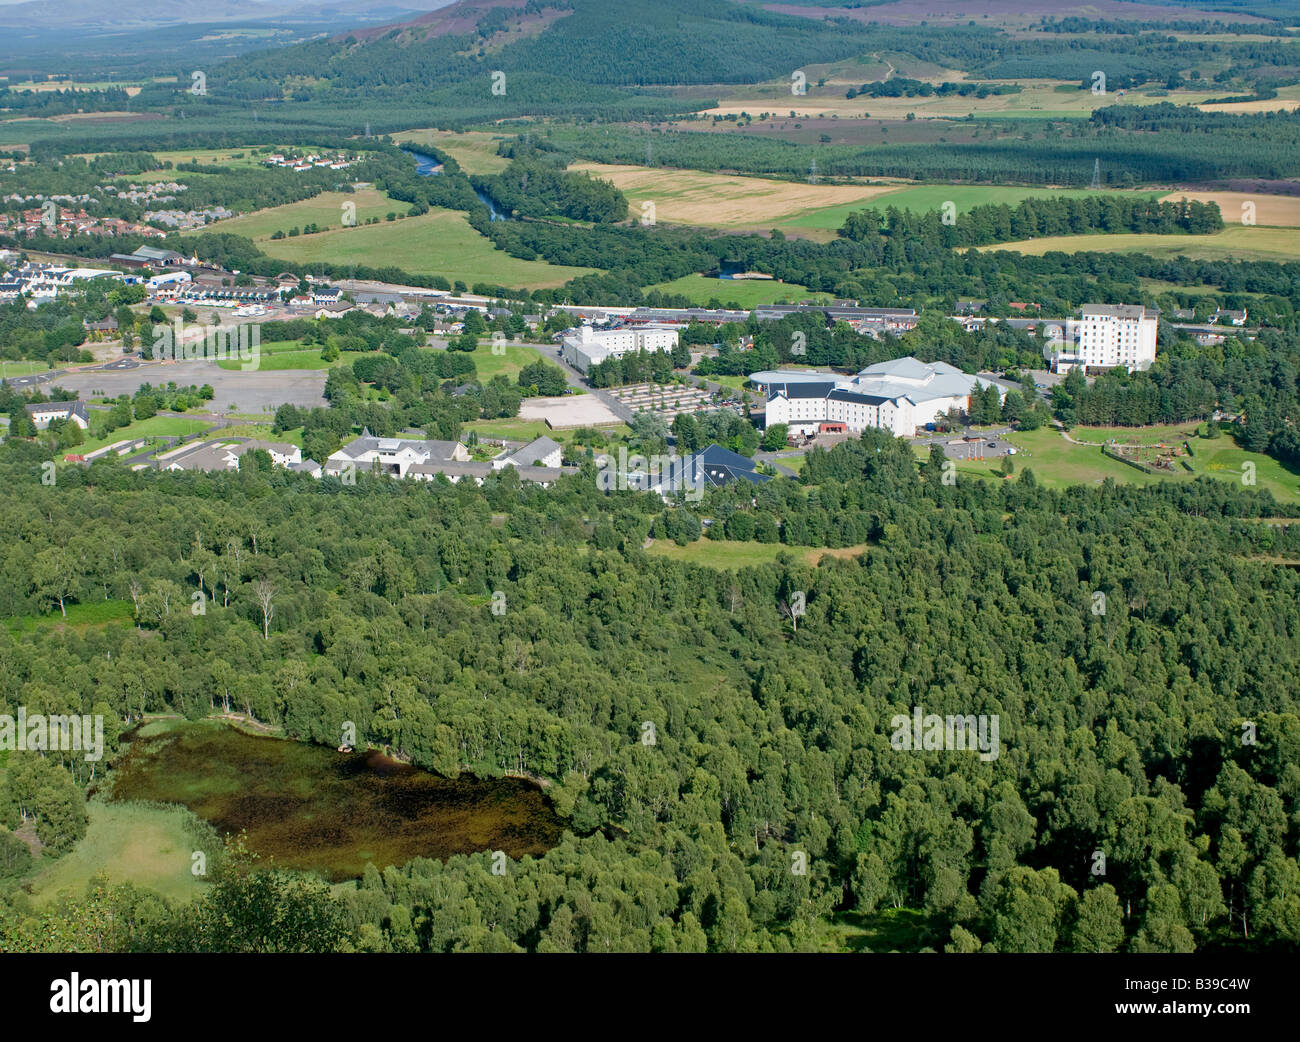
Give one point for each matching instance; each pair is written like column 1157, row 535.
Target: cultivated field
column 1235, row 241
column 440, row 242
column 324, row 210
column 724, row 201
column 1038, row 98
column 1279, row 211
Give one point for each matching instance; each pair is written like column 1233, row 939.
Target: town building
column 590, row 347
column 899, row 396
column 42, row 414
column 1106, row 336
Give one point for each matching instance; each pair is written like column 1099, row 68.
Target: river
column 428, row 166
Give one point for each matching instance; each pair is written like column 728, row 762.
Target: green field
column 440, row 242
column 1057, row 462
column 927, row 198
column 1240, row 242
column 149, row 846
column 325, row 210
column 745, row 293
column 26, row 368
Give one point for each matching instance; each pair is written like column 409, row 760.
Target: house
column 718, row 466
column 393, row 456
column 225, row 455
column 306, row 466
column 326, row 296
column 898, row 396
column 106, row 325
column 542, row 452
column 713, row 466
column 1234, row 318
column 42, row 414
column 335, row 310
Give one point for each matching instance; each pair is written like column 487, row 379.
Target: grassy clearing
column 509, row 364
column 81, row 617
column 728, row 555
column 27, row 368
column 149, row 846
column 1235, row 241
column 746, row 293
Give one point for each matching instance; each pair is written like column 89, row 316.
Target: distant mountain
column 138, row 14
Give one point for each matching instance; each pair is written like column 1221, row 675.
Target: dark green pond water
column 315, row 809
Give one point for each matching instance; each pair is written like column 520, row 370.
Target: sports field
column 748, row 293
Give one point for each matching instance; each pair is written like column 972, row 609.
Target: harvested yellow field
column 1234, row 242
column 721, row 200
column 1276, row 211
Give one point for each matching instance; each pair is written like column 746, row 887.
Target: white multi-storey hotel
column 1107, row 336
column 590, row 346
column 897, row 396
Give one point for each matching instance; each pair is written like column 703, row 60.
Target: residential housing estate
column 422, row 460
column 898, row 396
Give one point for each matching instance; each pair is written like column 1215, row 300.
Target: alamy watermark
column 951, row 733
column 59, row 733
column 210, row 343
column 664, row 474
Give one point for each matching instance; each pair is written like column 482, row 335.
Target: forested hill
column 620, row 43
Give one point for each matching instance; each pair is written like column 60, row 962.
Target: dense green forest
column 1121, row 732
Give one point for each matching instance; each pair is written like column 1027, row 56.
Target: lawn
column 154, row 427
column 440, row 242
column 509, row 364
column 511, row 429
column 1234, row 242
column 26, row 368
column 150, row 846
column 728, row 555
column 744, row 293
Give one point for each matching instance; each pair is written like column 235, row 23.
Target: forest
column 1162, row 732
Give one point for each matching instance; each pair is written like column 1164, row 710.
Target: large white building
column 897, row 396
column 589, row 346
column 1106, row 336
